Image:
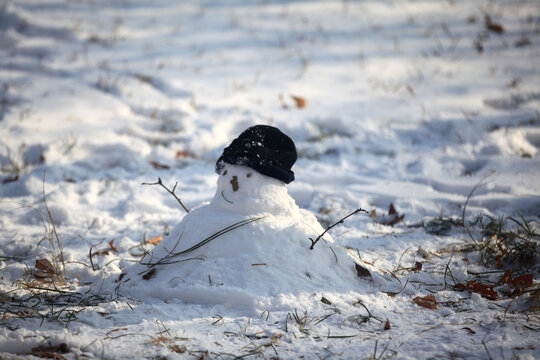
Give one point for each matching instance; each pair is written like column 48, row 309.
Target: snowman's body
column 262, row 249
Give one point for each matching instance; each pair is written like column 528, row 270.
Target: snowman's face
column 244, row 190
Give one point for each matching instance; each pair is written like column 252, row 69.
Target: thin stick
column 58, row 242
column 313, row 242
column 169, row 191
column 471, row 193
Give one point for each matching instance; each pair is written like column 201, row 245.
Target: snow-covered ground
column 410, row 103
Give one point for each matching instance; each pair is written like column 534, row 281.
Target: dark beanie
column 263, row 148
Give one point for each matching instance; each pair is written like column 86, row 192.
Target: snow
column 406, row 102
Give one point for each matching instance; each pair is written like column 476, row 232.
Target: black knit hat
column 263, row 148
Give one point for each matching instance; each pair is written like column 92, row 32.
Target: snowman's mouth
column 227, row 200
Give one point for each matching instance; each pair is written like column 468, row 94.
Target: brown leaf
column 387, row 325
column 44, row 269
column 155, row 240
column 178, row 349
column 507, row 277
column 428, row 301
column 460, row 287
column 494, row 27
column 44, row 265
column 9, row 179
column 182, row 154
column 50, row 352
column 391, row 219
column 48, row 355
column 417, row 266
column 111, row 245
column 484, row 290
column 299, row 101
column 523, row 281
column 159, row 166
column 362, row 271
column 101, row 253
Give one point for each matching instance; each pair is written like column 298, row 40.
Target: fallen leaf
column 484, row 290
column 101, row 253
column 299, row 101
column 494, row 27
column 507, row 277
column 178, row 349
column 391, row 219
column 361, row 271
column 326, row 301
column 111, row 245
column 523, row 281
column 387, row 325
column 44, row 269
column 471, row 331
column 155, row 240
column 10, row 179
column 50, row 352
column 159, row 166
column 182, row 154
column 417, row 266
column 44, row 265
column 428, row 301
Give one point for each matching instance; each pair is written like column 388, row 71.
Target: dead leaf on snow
column 362, row 271
column 299, row 101
column 485, row 290
column 391, row 219
column 155, row 240
column 44, row 269
column 159, row 166
column 428, row 301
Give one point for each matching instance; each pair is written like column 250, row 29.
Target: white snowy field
column 432, row 106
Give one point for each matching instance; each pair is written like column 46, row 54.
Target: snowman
column 250, row 243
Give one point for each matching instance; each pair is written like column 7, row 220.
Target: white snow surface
column 406, row 102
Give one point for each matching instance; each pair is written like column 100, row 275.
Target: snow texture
column 410, row 103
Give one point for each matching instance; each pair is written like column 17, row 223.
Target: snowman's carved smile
column 227, row 200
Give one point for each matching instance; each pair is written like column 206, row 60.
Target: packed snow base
column 404, row 102
column 257, row 250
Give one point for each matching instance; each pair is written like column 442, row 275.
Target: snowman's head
column 243, row 190
column 253, row 171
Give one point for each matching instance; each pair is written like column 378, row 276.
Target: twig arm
column 160, row 183
column 313, row 242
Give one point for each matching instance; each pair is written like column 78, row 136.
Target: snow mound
column 250, row 243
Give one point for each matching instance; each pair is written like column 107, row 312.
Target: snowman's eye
column 224, row 173
column 248, row 174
